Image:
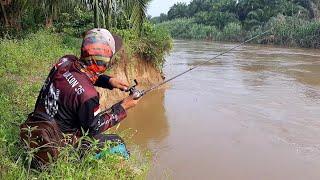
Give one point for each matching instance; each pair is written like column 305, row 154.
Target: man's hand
column 129, row 102
column 117, row 83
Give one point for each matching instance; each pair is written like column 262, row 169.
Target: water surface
column 253, row 113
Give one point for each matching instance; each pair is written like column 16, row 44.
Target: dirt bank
column 127, row 69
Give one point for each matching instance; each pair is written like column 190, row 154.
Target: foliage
column 123, row 14
column 196, row 6
column 74, row 22
column 71, row 15
column 187, row 29
column 178, row 28
column 293, row 22
column 25, row 63
column 178, row 10
column 153, row 45
column 248, row 12
column 163, row 17
column 232, row 32
column 295, row 32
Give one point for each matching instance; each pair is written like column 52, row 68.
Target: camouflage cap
column 100, row 44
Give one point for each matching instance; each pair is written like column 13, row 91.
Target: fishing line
column 192, row 68
column 138, row 93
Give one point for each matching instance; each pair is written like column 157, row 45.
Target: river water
column 253, row 113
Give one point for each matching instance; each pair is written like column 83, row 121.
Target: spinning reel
column 136, row 93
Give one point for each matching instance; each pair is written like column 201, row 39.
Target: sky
column 157, row 7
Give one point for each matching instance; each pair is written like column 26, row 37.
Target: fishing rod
column 133, row 90
column 139, row 93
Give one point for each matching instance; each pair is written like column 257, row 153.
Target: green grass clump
column 24, row 65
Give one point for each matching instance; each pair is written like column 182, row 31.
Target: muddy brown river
column 253, row 113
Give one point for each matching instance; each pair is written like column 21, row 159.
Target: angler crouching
column 68, row 103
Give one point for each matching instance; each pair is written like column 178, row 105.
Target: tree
column 3, row 11
column 178, row 10
column 196, row 6
column 120, row 13
column 159, row 19
column 163, row 17
column 12, row 12
column 51, row 9
column 312, row 6
column 107, row 13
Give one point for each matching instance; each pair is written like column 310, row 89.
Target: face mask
column 98, row 69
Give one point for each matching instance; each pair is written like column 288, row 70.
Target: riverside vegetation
column 292, row 22
column 28, row 49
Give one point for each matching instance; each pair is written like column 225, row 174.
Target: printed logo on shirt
column 51, row 100
column 73, row 82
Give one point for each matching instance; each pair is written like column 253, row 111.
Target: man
column 68, row 96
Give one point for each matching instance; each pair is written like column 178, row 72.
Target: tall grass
column 286, row 31
column 24, row 65
column 232, row 32
column 292, row 31
column 187, row 29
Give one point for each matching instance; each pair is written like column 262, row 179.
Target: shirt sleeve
column 103, row 82
column 94, row 122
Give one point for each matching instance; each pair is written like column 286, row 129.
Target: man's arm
column 94, row 124
column 108, row 82
column 103, row 81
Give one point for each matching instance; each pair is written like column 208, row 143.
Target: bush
column 292, row 31
column 75, row 22
column 188, row 29
column 153, row 45
column 178, row 28
column 232, row 32
column 285, row 30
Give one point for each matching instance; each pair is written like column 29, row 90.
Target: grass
column 24, row 65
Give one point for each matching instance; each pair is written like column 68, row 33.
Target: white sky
column 156, row 7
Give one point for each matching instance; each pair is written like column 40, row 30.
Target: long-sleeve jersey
column 69, row 97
